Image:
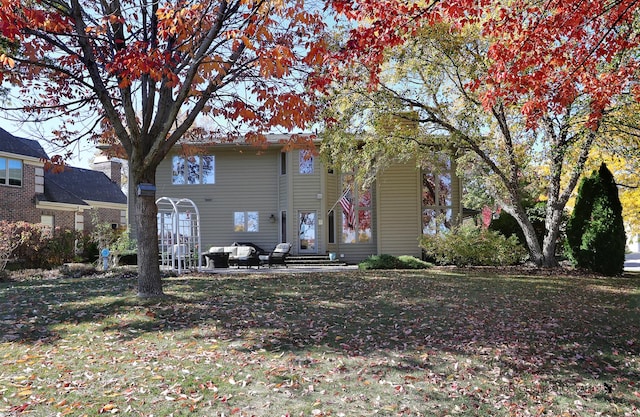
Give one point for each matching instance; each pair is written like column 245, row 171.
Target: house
column 67, row 199
column 267, row 196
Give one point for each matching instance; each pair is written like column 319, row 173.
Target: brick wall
column 18, row 203
column 64, row 220
column 112, row 169
column 105, row 215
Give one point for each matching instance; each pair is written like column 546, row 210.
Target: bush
column 42, row 248
column 471, row 245
column 87, row 249
column 411, row 262
column 124, row 247
column 385, row 261
column 12, row 236
column 595, row 232
column 60, row 248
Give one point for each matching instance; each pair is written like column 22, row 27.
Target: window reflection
column 306, row 162
column 437, row 198
column 193, row 170
column 356, row 212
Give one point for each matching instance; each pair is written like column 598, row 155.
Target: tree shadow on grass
column 518, row 324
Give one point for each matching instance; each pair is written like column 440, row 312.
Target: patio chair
column 279, row 255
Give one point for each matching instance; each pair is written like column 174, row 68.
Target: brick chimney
column 112, row 169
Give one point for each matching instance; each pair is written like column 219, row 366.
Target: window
column 283, row 226
column 48, row 222
column 437, row 199
column 356, row 212
column 306, row 162
column 307, row 230
column 10, row 172
column 193, row 170
column 245, row 221
column 332, row 227
column 283, row 163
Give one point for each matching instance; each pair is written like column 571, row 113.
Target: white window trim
column 246, row 216
column 187, row 163
column 5, row 175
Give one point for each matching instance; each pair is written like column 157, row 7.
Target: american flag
column 348, row 209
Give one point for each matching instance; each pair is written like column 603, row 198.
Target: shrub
column 43, row 248
column 123, row 246
column 411, row 262
column 385, row 261
column 471, row 245
column 12, row 235
column 595, row 232
column 88, row 248
column 118, row 241
column 61, row 247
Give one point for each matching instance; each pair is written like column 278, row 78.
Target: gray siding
column 332, row 194
column 305, row 189
column 456, row 195
column 399, row 210
column 251, row 180
column 244, row 181
column 284, row 196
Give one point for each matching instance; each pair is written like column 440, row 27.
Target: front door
column 307, row 232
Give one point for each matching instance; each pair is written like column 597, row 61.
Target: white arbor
column 179, row 234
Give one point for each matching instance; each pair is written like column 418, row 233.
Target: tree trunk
column 146, row 211
column 535, row 252
column 553, row 219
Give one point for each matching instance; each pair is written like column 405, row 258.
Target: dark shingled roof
column 75, row 185
column 56, row 194
column 20, row 146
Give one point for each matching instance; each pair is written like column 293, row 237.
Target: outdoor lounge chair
column 278, row 256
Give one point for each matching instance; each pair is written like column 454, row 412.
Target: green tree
column 595, row 232
column 620, row 150
column 429, row 83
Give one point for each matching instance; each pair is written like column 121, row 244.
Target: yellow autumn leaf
column 7, row 61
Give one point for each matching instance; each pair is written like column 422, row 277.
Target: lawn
column 389, row 343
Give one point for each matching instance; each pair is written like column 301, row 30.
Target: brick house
column 67, row 199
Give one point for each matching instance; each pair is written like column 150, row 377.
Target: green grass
column 429, row 343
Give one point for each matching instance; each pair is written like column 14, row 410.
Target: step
column 316, row 260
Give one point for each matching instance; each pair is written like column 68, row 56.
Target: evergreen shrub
column 385, row 261
column 596, row 238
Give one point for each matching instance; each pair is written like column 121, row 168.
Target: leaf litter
column 358, row 343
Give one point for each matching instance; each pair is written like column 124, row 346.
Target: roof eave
column 53, row 205
column 30, row 159
column 106, row 204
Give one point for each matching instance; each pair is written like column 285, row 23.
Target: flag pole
column 338, row 200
